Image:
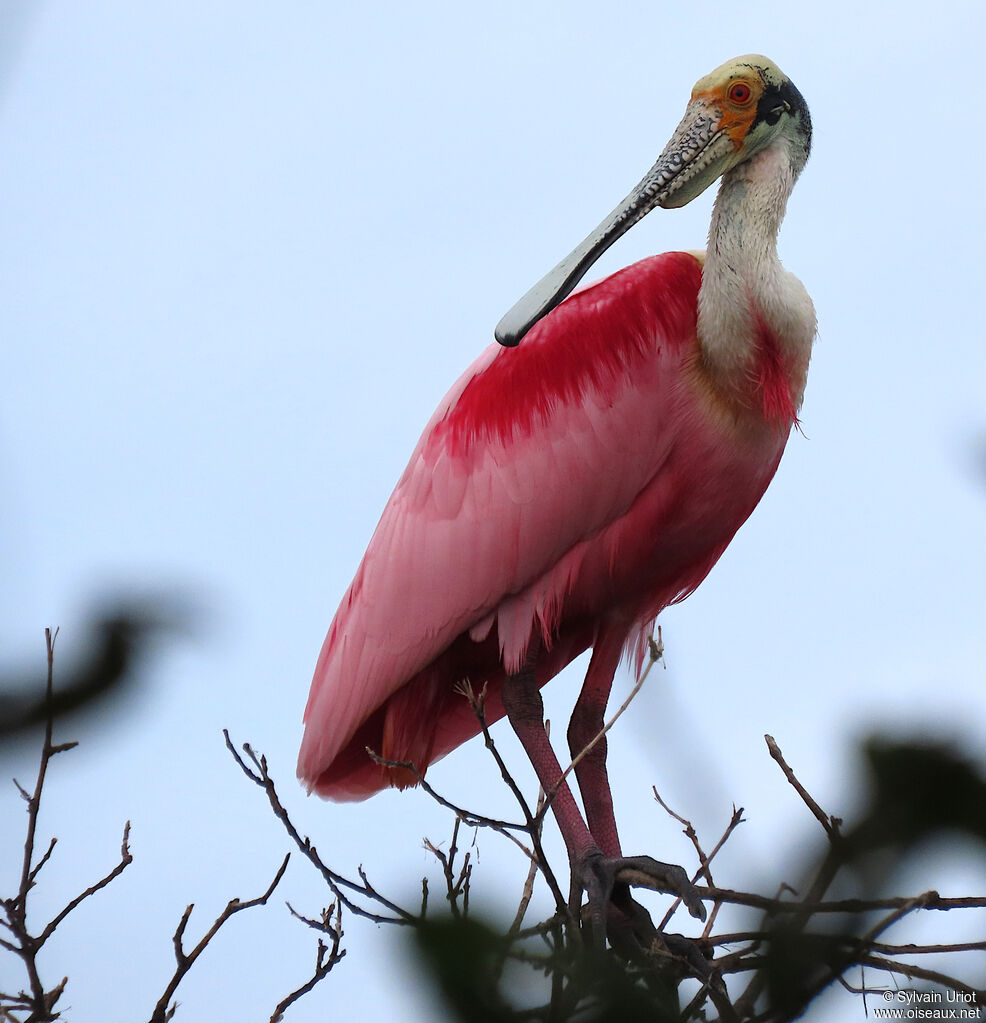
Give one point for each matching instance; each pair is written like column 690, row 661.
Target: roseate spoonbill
column 569, row 489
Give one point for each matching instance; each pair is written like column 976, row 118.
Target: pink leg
column 525, row 709
column 586, row 724
column 595, row 870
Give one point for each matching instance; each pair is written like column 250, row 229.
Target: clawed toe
column 646, row 872
column 614, row 912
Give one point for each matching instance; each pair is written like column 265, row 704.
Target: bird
column 583, row 474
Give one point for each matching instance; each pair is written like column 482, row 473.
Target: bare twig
column 456, row 886
column 338, row 884
column 126, row 859
column 185, row 960
column 829, row 823
column 473, row 820
column 824, row 876
column 929, row 900
column 857, row 952
column 920, row 973
column 326, row 956
column 40, row 1002
column 704, row 861
column 528, row 890
column 739, row 937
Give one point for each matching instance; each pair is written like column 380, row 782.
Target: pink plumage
column 578, row 483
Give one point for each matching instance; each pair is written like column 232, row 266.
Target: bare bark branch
column 185, row 960
column 39, row 1001
column 125, row 860
column 338, row 884
column 830, row 824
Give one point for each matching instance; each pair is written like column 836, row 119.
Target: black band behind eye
column 777, row 99
column 773, row 115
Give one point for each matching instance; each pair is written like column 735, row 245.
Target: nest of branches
column 799, row 941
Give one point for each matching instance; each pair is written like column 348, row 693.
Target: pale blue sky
column 245, row 248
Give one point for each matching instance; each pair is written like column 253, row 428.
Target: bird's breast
column 710, row 481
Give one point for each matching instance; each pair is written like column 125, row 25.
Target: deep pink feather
column 587, row 475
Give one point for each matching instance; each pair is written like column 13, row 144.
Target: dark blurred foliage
column 463, row 957
column 117, row 640
column 917, row 792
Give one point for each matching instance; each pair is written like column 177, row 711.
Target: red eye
column 739, row 92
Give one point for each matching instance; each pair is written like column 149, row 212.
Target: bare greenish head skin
column 740, row 109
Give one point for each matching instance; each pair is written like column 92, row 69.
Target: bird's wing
column 534, row 450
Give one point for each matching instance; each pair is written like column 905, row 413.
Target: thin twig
column 738, row 937
column 829, row 823
column 126, row 858
column 338, row 884
column 921, row 973
column 824, row 876
column 930, row 900
column 184, row 960
column 472, row 820
column 456, row 887
column 851, row 957
column 528, row 890
column 704, row 861
column 40, row 1003
column 323, row 963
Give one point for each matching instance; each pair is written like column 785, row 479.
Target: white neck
column 743, row 281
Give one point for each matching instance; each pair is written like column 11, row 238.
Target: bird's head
column 734, row 113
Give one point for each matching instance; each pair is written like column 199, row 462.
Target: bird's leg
column 586, row 725
column 595, row 869
column 525, row 709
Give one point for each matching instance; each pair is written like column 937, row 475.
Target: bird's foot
column 613, row 912
column 646, row 872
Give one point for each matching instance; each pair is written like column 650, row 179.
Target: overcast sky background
column 244, row 250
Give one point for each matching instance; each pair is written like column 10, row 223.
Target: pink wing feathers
column 533, row 453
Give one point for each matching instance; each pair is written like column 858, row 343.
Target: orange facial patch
column 737, row 97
